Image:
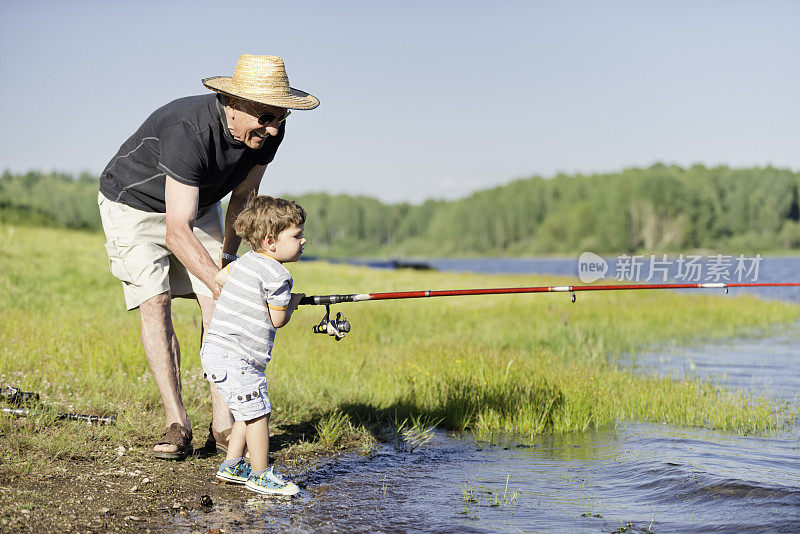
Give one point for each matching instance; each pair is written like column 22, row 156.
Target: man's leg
column 221, row 414
column 164, row 356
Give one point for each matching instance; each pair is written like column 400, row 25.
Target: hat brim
column 293, row 99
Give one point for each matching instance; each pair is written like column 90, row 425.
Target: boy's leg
column 234, row 469
column 258, row 442
column 263, row 480
column 236, row 441
column 164, row 357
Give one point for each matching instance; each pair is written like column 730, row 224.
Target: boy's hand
column 295, row 300
column 221, row 277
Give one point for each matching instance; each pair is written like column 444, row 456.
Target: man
column 160, row 205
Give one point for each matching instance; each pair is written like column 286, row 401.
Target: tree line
column 661, row 208
column 50, row 199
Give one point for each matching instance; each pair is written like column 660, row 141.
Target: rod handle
column 326, row 299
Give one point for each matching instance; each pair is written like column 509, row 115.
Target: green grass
column 525, row 364
column 332, row 428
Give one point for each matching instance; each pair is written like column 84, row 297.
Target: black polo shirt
column 187, row 139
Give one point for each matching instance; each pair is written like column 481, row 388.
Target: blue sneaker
column 271, row 484
column 237, row 474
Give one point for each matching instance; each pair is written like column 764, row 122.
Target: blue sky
column 419, row 99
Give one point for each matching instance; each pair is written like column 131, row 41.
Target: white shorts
column 242, row 386
column 138, row 253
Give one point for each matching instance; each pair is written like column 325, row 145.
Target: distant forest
column 661, row 209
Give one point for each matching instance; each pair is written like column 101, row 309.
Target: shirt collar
column 224, row 122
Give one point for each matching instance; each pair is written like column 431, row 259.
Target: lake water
column 653, row 270
column 633, row 478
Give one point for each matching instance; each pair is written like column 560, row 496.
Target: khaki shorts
column 139, row 257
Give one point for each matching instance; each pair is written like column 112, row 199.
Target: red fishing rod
column 339, row 326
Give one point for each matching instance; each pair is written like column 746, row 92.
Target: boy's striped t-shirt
column 241, row 320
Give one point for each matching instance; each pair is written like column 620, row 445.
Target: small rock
column 145, row 480
column 205, row 500
column 176, row 505
column 120, row 450
column 24, row 511
column 134, row 489
column 104, row 510
column 132, row 518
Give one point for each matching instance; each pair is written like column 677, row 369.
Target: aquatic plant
column 413, row 432
column 474, row 492
column 469, row 496
column 332, row 427
column 507, row 498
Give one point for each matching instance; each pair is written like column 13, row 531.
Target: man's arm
column 239, row 196
column 181, row 201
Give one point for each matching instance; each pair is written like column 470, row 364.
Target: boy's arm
column 279, row 318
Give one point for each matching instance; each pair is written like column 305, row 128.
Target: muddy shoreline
column 124, row 489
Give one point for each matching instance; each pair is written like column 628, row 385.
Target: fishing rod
column 90, row 418
column 21, row 400
column 339, row 326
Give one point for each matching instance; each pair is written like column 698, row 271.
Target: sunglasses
column 269, row 118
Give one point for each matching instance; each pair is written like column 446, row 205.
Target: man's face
column 245, row 126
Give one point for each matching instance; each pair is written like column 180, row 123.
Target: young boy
column 256, row 299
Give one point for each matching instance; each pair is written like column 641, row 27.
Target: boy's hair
column 264, row 216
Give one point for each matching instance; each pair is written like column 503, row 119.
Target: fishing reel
column 336, row 328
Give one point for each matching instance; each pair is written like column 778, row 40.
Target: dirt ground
column 126, row 490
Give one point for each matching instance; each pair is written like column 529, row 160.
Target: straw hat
column 262, row 79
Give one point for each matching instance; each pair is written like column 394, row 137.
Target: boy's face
column 288, row 246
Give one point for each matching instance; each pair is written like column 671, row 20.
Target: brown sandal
column 179, row 436
column 218, row 440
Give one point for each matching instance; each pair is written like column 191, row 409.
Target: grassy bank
column 519, row 363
